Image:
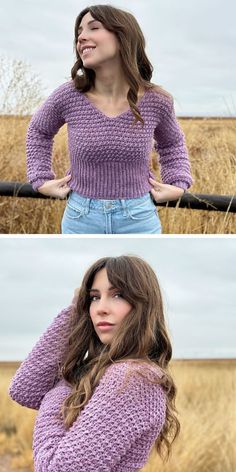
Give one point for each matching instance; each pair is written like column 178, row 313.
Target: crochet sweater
column 109, row 159
column 116, row 429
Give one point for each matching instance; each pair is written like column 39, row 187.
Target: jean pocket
column 141, row 211
column 74, row 212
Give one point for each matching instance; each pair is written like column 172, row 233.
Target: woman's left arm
column 173, row 156
column 106, row 430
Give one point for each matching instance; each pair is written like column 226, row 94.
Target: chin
column 88, row 66
column 105, row 340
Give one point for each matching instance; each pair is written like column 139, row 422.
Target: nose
column 82, row 36
column 102, row 306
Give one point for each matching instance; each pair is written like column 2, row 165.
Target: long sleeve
column 38, row 372
column 43, row 126
column 171, row 146
column 114, row 432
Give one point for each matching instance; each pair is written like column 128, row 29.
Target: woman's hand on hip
column 165, row 192
column 57, row 188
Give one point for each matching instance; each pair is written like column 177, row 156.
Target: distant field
column 212, row 149
column 206, row 405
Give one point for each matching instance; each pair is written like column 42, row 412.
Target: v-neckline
column 95, row 108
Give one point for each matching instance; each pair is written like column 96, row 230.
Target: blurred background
column 197, row 276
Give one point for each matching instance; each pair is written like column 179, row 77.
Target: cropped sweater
column 116, row 429
column 109, row 158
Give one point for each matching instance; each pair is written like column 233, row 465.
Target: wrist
column 180, row 184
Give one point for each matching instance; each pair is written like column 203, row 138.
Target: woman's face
column 107, row 306
column 105, row 45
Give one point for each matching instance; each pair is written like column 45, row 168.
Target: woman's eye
column 78, row 35
column 93, row 298
column 118, row 295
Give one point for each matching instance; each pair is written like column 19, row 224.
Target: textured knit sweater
column 109, row 158
column 116, row 429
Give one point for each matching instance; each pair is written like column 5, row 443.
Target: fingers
column 62, row 186
column 64, row 179
column 152, row 181
column 56, row 188
column 63, row 192
column 75, row 297
column 155, row 183
column 164, row 192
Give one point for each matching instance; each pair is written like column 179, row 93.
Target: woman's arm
column 39, row 371
column 43, row 126
column 170, row 144
column 116, row 422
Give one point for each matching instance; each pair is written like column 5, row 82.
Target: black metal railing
column 197, row 201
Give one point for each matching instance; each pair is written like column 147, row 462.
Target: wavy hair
column 137, row 67
column 88, row 358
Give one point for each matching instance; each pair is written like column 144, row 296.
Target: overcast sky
column 197, row 276
column 191, row 44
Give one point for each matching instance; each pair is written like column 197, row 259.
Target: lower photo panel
column 117, row 354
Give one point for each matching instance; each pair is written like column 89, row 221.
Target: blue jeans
column 96, row 216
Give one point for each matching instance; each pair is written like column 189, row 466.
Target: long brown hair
column 88, row 358
column 137, row 67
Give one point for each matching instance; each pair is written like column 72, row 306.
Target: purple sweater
column 117, row 427
column 109, row 158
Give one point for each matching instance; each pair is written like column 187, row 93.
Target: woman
column 98, row 375
column 110, row 186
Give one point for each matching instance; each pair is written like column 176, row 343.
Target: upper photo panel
column 116, row 120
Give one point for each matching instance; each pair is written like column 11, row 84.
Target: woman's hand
column 75, row 297
column 164, row 192
column 56, row 188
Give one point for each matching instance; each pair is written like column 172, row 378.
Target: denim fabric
column 96, row 216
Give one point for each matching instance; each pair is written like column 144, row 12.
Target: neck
column 110, row 83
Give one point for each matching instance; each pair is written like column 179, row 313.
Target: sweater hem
column 112, row 197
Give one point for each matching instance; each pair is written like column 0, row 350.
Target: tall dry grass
column 206, row 404
column 16, row 425
column 212, row 149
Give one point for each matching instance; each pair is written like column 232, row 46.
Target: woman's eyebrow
column 91, row 21
column 96, row 290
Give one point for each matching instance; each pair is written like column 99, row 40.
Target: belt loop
column 124, row 207
column 123, row 204
column 87, row 205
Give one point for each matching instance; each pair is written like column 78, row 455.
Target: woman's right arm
column 43, row 126
column 38, row 373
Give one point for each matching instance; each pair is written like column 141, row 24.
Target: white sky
column 191, row 44
column 197, row 276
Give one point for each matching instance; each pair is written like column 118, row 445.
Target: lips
column 104, row 323
column 104, row 327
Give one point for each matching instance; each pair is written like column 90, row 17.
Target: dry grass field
column 206, row 404
column 212, row 150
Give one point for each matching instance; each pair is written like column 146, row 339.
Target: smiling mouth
column 87, row 51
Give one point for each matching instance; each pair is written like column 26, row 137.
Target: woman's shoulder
column 160, row 95
column 136, row 383
column 136, row 370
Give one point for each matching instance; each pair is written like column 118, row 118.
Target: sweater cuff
column 181, row 184
column 37, row 183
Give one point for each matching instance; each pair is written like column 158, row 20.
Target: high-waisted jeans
column 96, row 216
